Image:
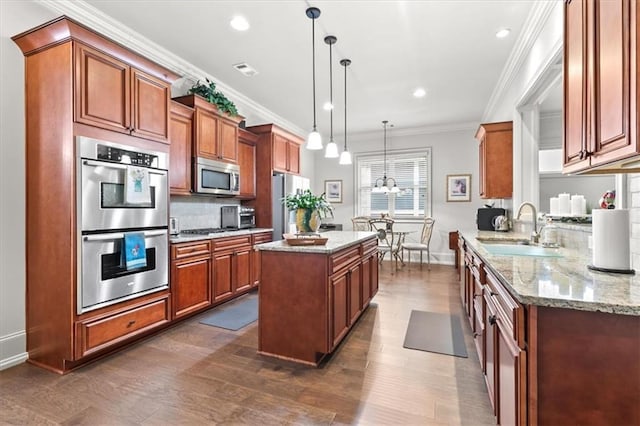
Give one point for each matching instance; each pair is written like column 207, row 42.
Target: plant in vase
column 309, row 209
column 209, row 92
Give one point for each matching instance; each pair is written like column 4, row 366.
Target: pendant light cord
column 345, row 106
column 385, row 152
column 313, row 55
column 331, row 87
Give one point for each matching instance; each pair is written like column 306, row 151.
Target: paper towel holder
column 615, row 271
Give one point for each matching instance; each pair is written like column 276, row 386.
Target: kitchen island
column 311, row 295
column 557, row 342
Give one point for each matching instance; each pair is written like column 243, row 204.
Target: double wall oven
column 106, row 214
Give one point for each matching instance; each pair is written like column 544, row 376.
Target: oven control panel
column 118, row 155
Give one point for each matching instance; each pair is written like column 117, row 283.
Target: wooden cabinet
column 247, row 162
column 277, row 151
column 190, row 277
column 601, row 91
column 339, row 307
column 478, row 278
column 215, row 135
column 113, row 95
column 258, row 238
column 496, row 159
column 180, row 139
column 231, row 267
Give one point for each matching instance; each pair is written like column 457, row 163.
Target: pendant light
column 345, row 157
column 314, row 140
column 332, row 147
column 383, row 184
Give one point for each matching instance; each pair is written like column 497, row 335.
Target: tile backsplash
column 198, row 212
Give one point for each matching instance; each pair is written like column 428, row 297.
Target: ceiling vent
column 246, row 69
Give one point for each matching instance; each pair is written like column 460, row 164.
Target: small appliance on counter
column 238, row 217
column 485, row 218
column 174, row 226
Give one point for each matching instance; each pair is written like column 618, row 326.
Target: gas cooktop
column 207, row 231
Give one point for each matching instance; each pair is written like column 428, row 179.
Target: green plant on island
column 209, row 92
column 306, row 200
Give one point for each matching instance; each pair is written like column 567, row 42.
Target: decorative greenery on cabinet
column 209, row 92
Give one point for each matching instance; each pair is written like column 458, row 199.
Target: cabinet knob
column 476, row 334
column 492, row 320
column 131, row 323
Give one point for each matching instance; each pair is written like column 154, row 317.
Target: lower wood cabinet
column 231, row 267
column 258, row 238
column 339, row 307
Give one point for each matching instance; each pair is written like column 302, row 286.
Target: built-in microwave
column 216, row 177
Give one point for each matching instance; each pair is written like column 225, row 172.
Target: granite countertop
column 337, row 240
column 561, row 282
column 185, row 238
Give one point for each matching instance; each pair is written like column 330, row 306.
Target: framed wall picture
column 333, row 190
column 458, row 187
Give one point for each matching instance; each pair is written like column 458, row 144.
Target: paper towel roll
column 611, row 239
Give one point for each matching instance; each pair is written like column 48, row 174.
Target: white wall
column 15, row 17
column 454, row 151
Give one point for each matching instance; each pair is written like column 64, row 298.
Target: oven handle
column 120, row 235
column 120, row 166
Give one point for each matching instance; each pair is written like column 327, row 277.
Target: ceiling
column 447, row 47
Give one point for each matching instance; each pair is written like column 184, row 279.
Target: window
column 412, row 173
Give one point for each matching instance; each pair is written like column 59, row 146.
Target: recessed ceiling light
column 503, row 33
column 419, row 92
column 246, row 69
column 327, row 106
column 239, row 23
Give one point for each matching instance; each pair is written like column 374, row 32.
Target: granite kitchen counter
column 185, row 238
column 561, row 282
column 337, row 240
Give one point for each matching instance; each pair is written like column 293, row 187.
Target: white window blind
column 412, row 173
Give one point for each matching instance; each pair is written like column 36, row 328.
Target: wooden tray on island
column 305, row 239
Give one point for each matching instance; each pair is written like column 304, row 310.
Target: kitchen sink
column 514, row 249
column 503, row 240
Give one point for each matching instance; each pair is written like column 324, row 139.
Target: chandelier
column 385, row 184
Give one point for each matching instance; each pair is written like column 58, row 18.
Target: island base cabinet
column 339, row 308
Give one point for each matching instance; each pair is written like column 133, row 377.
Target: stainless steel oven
column 216, row 177
column 122, row 191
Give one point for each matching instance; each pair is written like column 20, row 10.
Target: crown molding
column 540, row 12
column 417, row 131
column 120, row 33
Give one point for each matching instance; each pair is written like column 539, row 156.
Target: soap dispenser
column 550, row 234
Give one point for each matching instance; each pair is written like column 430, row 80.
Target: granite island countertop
column 185, row 238
column 561, row 282
column 337, row 240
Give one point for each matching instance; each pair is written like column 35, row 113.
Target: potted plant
column 209, row 92
column 309, row 209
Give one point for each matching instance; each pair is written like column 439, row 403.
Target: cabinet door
column 355, row 297
column 206, row 134
column 247, row 163
column 339, row 307
column 151, row 100
column 102, row 90
column 242, row 273
column 374, row 273
column 482, row 166
column 280, row 148
column 511, row 372
column 190, row 289
column 490, row 334
column 222, row 275
column 256, row 272
column 611, row 84
column 366, row 281
column 228, row 141
column 293, row 157
column 180, row 152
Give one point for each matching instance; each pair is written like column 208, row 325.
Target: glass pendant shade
column 345, row 158
column 314, row 140
column 331, row 150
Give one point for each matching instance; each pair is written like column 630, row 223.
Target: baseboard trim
column 13, row 361
column 12, row 349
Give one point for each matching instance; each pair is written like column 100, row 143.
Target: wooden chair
column 384, row 228
column 360, row 223
column 425, row 239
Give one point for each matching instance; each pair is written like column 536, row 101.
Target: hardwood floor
column 198, row 374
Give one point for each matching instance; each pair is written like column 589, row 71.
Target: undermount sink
column 515, row 249
column 510, row 241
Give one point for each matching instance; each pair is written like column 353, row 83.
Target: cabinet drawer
column 231, row 243
column 179, row 251
column 369, row 246
column 508, row 310
column 262, row 238
column 343, row 258
column 99, row 333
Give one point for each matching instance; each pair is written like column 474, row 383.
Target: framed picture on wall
column 458, row 187
column 333, row 190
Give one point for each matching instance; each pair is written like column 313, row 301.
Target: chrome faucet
column 535, row 236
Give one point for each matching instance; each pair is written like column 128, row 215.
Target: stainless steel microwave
column 216, row 177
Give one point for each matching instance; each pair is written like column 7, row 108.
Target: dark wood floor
column 198, row 374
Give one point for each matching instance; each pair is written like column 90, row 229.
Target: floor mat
column 433, row 332
column 235, row 314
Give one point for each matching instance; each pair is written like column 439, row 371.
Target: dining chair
column 425, row 239
column 360, row 223
column 384, row 228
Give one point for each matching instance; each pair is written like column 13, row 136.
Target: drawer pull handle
column 493, row 320
column 476, row 295
column 131, row 323
column 493, row 293
column 476, row 334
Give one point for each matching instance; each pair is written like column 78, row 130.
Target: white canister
column 554, row 206
column 611, row 239
column 564, row 204
column 578, row 205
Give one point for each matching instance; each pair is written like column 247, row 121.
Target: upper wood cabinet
column 215, row 135
column 116, row 96
column 286, row 155
column 180, row 131
column 496, row 159
column 600, row 81
column 247, row 162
